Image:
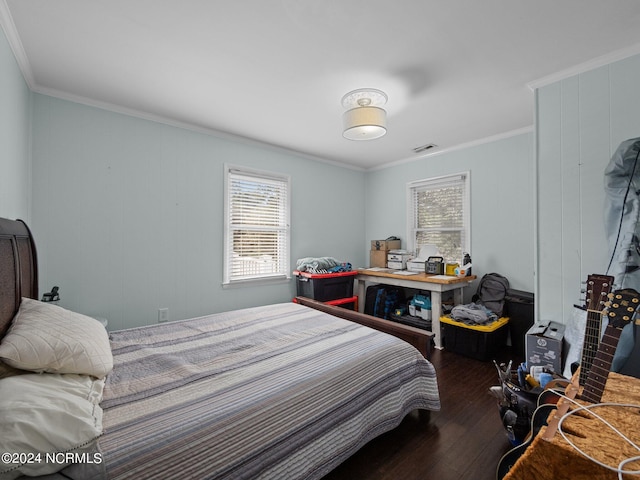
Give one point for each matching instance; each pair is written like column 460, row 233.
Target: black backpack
column 382, row 300
column 491, row 292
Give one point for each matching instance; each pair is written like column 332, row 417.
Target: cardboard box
column 544, row 345
column 385, row 245
column 378, row 258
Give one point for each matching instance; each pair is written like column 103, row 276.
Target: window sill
column 252, row 282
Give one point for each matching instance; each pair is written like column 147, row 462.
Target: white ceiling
column 275, row 71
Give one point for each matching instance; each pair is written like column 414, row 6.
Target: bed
column 287, row 390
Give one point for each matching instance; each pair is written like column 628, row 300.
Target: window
column 256, row 225
column 439, row 212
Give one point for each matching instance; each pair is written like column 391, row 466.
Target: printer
column 424, row 252
column 397, row 259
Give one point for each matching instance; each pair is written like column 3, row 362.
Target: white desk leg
column 436, row 312
column 362, row 295
column 457, row 296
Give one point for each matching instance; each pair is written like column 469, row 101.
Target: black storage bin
column 519, row 307
column 325, row 286
column 481, row 342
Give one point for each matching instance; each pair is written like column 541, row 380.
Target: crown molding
column 90, row 102
column 592, row 64
column 11, row 32
column 462, row 146
column 257, row 143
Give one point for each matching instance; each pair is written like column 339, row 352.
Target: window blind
column 439, row 213
column 257, row 223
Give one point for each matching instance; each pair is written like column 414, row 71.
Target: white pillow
column 46, row 413
column 48, row 338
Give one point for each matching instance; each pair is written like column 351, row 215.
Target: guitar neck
column 590, row 344
column 598, row 288
column 599, row 371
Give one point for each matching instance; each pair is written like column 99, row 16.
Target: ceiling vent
column 424, row 148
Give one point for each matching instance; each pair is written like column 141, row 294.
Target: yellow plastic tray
column 492, row 327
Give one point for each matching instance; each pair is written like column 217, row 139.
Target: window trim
column 433, row 181
column 281, row 277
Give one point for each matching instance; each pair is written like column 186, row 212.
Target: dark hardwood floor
column 463, row 441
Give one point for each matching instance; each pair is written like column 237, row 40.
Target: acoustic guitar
column 620, row 308
column 597, row 289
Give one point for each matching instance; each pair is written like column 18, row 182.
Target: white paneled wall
column 580, row 123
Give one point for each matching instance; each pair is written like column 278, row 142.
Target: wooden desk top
column 418, row 277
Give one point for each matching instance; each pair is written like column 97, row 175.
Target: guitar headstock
column 622, row 306
column 598, row 288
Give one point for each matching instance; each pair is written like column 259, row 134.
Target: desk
column 436, row 284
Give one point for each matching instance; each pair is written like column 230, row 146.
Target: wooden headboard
column 18, row 269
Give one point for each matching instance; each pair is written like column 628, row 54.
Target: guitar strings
column 620, row 471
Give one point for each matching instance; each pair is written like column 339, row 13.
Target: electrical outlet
column 163, row 315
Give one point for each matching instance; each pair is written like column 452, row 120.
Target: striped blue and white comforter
column 280, row 391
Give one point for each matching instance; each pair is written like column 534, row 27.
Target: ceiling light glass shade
column 364, row 123
column 364, row 119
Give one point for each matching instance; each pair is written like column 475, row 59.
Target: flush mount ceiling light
column 364, row 119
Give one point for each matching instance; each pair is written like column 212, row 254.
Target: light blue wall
column 128, row 214
column 502, row 213
column 581, row 121
column 15, row 101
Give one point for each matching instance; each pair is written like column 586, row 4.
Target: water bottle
column 466, row 260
